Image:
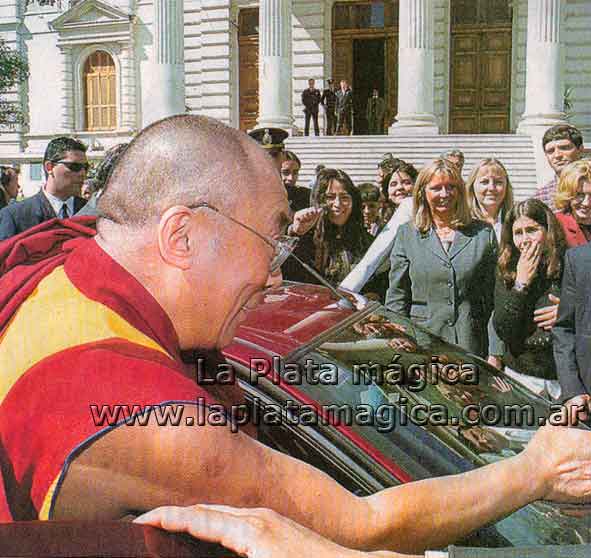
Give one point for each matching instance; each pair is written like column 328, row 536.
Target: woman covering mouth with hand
column 526, row 293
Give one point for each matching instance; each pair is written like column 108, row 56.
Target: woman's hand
column 546, row 317
column 304, row 220
column 528, row 263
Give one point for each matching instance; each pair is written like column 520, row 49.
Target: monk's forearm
column 436, row 512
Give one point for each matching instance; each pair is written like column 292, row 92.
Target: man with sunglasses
column 65, row 166
column 184, row 246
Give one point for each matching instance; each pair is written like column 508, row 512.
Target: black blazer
column 18, row 217
column 572, row 330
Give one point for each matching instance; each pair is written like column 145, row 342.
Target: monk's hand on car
column 546, row 317
column 559, row 461
column 251, row 532
column 304, row 220
column 527, row 265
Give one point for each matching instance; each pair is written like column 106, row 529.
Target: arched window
column 100, row 97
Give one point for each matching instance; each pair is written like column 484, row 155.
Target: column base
column 534, row 124
column 283, row 122
column 414, row 125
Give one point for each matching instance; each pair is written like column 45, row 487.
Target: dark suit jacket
column 311, row 100
column 344, row 102
column 572, row 231
column 450, row 294
column 18, row 217
column 572, row 330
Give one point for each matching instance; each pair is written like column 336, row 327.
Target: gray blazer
column 450, row 294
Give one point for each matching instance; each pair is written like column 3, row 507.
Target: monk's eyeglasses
column 283, row 246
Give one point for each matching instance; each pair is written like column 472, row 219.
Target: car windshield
column 433, row 409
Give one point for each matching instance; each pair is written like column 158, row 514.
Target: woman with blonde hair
column 573, row 201
column 490, row 194
column 443, row 262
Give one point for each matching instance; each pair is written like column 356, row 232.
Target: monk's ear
column 174, row 237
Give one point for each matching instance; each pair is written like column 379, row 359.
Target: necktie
column 64, row 213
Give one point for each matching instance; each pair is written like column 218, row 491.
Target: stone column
column 68, row 91
column 415, row 70
column 275, row 64
column 163, row 84
column 544, row 80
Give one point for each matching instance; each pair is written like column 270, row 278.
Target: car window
column 436, row 409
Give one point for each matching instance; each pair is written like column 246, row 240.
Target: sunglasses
column 73, row 166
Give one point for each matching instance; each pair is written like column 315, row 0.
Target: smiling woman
column 573, row 201
column 333, row 236
column 443, row 262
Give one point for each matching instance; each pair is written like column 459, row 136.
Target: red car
column 375, row 400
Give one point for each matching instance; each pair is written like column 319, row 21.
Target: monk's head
column 176, row 214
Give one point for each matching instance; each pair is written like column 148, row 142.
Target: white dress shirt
column 56, row 203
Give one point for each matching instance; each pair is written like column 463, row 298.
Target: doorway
column 368, row 73
column 481, row 41
column 365, row 53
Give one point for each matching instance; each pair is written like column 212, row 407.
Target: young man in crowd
column 562, row 145
column 65, row 166
column 370, row 206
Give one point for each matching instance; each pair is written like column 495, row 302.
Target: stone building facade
column 103, row 69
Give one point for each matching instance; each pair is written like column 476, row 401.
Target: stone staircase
column 359, row 155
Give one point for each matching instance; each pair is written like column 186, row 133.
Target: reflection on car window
column 386, row 362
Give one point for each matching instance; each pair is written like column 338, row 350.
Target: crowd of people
column 466, row 262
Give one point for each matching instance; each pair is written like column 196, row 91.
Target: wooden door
column 367, row 20
column 248, row 49
column 481, row 40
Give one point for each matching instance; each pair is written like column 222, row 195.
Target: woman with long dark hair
column 336, row 239
column 528, row 280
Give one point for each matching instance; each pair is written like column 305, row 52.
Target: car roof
column 290, row 317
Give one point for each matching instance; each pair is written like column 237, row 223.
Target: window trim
column 80, row 124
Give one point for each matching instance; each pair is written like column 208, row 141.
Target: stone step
column 359, row 155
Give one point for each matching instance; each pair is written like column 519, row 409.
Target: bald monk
column 184, row 246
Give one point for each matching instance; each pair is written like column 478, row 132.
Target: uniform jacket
column 18, row 217
column 572, row 330
column 450, row 294
column 311, row 100
column 572, row 231
column 329, row 100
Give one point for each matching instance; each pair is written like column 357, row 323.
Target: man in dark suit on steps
column 65, row 166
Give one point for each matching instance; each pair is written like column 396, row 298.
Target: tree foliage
column 14, row 69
